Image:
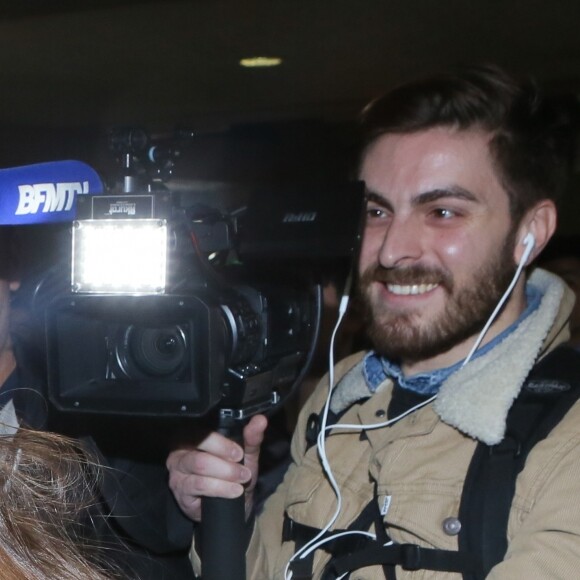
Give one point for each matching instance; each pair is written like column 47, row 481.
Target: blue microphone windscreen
column 44, row 192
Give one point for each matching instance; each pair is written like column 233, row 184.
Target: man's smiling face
column 438, row 250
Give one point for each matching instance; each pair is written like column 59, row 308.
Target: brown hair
column 532, row 137
column 48, row 486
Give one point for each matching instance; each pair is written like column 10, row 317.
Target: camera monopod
column 223, row 525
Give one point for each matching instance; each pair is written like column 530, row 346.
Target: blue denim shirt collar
column 376, row 368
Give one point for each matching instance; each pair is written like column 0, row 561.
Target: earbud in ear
column 529, row 241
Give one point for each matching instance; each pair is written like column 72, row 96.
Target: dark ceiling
column 72, row 69
column 101, row 63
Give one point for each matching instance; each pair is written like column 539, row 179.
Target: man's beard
column 400, row 336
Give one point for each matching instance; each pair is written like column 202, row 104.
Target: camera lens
column 153, row 352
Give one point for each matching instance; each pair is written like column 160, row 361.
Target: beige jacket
column 420, row 462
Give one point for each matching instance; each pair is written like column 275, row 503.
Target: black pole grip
column 223, row 525
column 223, row 548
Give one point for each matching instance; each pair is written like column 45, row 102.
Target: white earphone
column 529, row 241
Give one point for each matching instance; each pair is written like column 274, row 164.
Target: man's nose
column 402, row 243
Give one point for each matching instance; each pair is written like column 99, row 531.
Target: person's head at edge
column 9, row 282
column 458, row 169
column 49, row 486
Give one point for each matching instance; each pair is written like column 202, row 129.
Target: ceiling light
column 260, row 61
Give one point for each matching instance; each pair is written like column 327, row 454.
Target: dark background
column 70, row 70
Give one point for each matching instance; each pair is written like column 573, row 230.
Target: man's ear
column 14, row 285
column 540, row 222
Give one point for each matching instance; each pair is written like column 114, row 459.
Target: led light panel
column 119, row 256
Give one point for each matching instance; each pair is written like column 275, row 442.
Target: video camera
column 178, row 307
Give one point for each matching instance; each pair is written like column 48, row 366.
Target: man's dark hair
column 532, row 137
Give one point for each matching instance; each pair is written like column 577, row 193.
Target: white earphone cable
column 318, row 540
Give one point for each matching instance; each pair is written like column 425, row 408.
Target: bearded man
column 462, row 174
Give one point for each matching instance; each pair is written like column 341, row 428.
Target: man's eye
column 443, row 213
column 375, row 213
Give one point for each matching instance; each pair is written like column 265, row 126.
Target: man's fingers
column 195, row 474
column 213, row 468
column 220, row 446
column 254, row 434
column 190, row 489
column 193, row 487
column 205, row 465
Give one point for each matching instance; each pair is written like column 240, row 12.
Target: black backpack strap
column 301, row 534
column 383, row 538
column 549, row 392
column 385, row 553
column 408, row 556
column 351, row 552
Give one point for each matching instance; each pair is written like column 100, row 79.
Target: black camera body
column 236, row 323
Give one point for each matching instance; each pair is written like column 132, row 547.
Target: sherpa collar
column 477, row 398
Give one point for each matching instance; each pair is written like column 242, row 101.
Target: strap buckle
column 410, row 556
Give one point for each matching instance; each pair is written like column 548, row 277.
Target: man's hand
column 213, row 469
